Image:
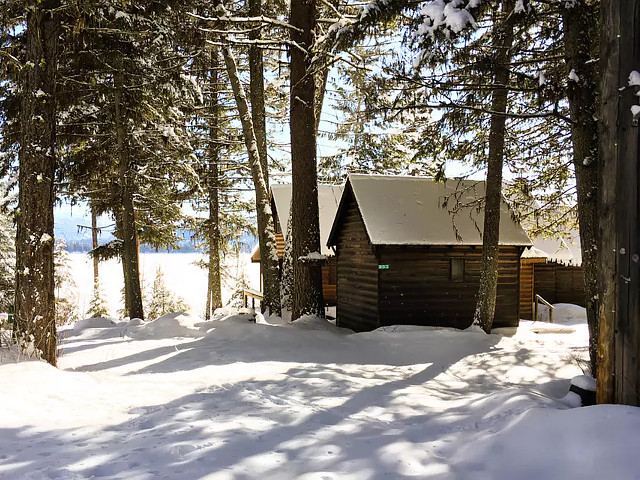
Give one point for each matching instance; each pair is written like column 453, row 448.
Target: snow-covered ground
column 181, row 274
column 179, row 398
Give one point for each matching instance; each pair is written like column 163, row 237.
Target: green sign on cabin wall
column 383, row 267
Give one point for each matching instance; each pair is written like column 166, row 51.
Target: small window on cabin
column 457, row 269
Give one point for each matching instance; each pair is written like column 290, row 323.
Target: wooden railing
column 254, row 295
column 539, row 300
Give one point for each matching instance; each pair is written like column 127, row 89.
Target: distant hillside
column 67, row 223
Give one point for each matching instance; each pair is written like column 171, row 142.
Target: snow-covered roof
column 403, row 210
column 328, row 201
column 560, row 250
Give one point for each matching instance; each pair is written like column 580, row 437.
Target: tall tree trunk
column 580, row 43
column 286, row 284
column 258, row 116
column 35, row 285
column 130, row 260
column 618, row 372
column 214, row 289
column 307, row 275
column 94, row 244
column 263, row 206
column 322, row 74
column 256, row 92
column 126, row 289
column 502, row 44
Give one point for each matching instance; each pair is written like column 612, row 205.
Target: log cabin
column 409, row 251
column 552, row 268
column 328, row 200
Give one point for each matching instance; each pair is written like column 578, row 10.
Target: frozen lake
column 181, row 274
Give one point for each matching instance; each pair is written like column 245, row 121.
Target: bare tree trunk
column 35, row 285
column 263, row 206
column 487, row 293
column 618, row 366
column 580, row 41
column 94, row 244
column 322, row 74
column 258, row 116
column 307, row 275
column 286, row 284
column 256, row 92
column 214, row 289
column 130, row 260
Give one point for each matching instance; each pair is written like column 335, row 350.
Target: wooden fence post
column 618, row 372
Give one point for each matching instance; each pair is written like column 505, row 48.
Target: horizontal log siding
column 357, row 272
column 416, row 289
column 558, row 283
column 526, row 286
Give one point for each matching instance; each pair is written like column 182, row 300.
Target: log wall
column 417, row 287
column 357, row 273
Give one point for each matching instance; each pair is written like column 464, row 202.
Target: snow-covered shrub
column 98, row 305
column 66, row 289
column 162, row 300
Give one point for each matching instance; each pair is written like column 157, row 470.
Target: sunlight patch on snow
column 237, row 399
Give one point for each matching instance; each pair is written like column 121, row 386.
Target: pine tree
column 98, row 307
column 286, row 283
column 35, row 299
column 162, row 300
column 65, row 287
column 7, row 261
column 130, row 90
column 307, row 275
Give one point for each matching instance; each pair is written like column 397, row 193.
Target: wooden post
column 618, row 371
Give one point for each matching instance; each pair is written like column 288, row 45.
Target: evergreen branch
column 259, row 19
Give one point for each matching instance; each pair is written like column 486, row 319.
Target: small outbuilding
column 552, row 268
column 328, row 200
column 409, row 251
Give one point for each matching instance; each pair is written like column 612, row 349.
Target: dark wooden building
column 328, row 200
column 409, row 251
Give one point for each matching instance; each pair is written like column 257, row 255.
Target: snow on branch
column 262, row 20
column 447, row 16
column 313, row 257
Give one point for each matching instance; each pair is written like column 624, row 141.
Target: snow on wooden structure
column 328, row 200
column 552, row 268
column 409, row 252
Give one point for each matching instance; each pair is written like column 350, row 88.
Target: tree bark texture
column 94, row 244
column 618, row 372
column 35, row 295
column 286, row 285
column 256, row 92
column 214, row 289
column 268, row 250
column 258, row 116
column 307, row 276
column 580, row 41
column 130, row 261
column 502, row 44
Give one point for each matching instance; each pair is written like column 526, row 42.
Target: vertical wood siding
column 558, row 283
column 330, row 281
column 527, row 286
